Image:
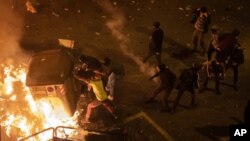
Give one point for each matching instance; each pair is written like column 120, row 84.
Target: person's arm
column 195, row 16
column 197, row 79
column 223, row 73
column 112, row 84
column 81, row 78
column 207, row 66
column 154, row 76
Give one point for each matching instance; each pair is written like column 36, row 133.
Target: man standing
column 188, row 81
column 167, row 78
column 228, row 42
column 111, row 80
column 201, row 22
column 155, row 44
column 236, row 58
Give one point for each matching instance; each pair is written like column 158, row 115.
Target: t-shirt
column 98, row 89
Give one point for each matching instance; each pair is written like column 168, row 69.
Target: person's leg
column 192, row 92
column 195, row 40
column 179, row 95
column 217, row 84
column 165, row 100
column 110, row 107
column 202, row 43
column 150, row 54
column 204, row 86
column 155, row 93
column 95, row 103
column 158, row 58
column 210, row 52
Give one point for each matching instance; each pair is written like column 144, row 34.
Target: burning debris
column 21, row 114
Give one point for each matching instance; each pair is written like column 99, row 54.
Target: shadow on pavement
column 174, row 48
column 213, row 132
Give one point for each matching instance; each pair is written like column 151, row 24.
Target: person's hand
column 106, row 88
column 74, row 72
column 89, row 87
column 218, row 49
column 110, row 97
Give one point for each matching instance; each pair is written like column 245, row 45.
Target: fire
column 20, row 114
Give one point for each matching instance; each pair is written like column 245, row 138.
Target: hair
column 214, row 28
column 107, row 61
column 203, row 9
column 82, row 58
column 156, row 24
column 88, row 74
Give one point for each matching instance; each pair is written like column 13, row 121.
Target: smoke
column 116, row 25
column 10, row 33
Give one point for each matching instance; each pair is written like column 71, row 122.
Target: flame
column 21, row 115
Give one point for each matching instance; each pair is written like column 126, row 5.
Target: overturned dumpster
column 50, row 76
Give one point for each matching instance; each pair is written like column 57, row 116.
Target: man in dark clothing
column 155, row 44
column 201, row 22
column 228, row 42
column 188, row 82
column 167, row 78
column 236, row 58
column 216, row 68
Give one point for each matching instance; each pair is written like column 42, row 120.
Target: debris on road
column 30, row 7
column 97, row 33
column 55, row 14
column 66, row 43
